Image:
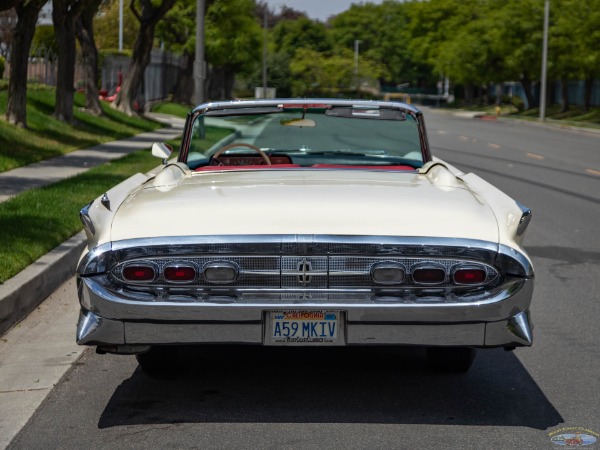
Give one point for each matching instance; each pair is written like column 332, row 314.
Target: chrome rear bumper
column 113, row 319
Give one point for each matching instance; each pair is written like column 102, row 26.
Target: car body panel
column 283, row 201
column 377, row 238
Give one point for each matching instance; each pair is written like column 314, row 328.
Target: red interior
column 291, row 166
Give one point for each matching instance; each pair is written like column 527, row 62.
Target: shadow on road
column 344, row 385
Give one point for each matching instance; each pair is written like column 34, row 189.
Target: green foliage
column 233, row 36
column 328, row 73
column 174, row 109
column 178, row 28
column 2, row 65
column 302, row 33
column 36, row 221
column 44, row 41
column 106, row 26
column 47, row 137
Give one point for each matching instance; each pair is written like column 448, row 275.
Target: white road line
column 494, row 146
column 593, row 172
column 535, row 156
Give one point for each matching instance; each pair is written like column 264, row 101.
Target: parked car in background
column 316, row 222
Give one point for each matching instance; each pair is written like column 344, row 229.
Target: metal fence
column 159, row 79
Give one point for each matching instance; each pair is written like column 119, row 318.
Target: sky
column 318, row 9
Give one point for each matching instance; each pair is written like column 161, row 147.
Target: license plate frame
column 314, row 327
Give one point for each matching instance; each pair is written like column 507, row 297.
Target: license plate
column 297, row 327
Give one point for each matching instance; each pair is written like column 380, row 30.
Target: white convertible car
column 313, row 223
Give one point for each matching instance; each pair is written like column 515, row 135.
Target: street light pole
column 199, row 64
column 120, row 25
column 265, row 50
column 356, row 44
column 544, row 60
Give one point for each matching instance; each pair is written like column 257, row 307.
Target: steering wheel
column 241, row 144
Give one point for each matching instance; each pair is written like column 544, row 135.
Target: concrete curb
column 25, row 291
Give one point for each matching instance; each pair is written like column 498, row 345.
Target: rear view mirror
column 298, row 123
column 162, row 150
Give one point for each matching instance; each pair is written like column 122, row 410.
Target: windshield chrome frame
column 232, row 106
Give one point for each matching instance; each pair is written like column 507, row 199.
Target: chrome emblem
column 304, row 267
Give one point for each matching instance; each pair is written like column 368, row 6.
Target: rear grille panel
column 296, row 271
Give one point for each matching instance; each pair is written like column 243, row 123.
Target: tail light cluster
column 428, row 274
column 388, row 273
column 182, row 272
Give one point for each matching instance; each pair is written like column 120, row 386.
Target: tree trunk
column 529, row 98
column 564, row 94
column 16, row 108
column 587, row 92
column 468, row 94
column 65, row 13
column 85, row 36
column 499, row 93
column 148, row 18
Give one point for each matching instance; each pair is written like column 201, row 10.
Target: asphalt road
column 358, row 398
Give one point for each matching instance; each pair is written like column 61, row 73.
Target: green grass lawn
column 176, row 109
column 47, row 136
column 38, row 220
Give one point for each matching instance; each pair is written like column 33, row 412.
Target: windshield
column 340, row 136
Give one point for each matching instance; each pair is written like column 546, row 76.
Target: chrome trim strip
column 96, row 261
column 122, row 335
column 233, row 105
column 425, row 244
column 524, row 220
column 506, row 300
column 84, row 216
column 513, row 262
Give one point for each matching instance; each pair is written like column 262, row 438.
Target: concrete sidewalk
column 52, row 170
column 22, row 293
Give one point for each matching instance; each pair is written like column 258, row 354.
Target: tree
column 148, row 14
column 232, row 47
column 574, row 43
column 85, row 34
column 233, row 44
column 178, row 32
column 329, row 73
column 106, row 26
column 65, row 13
column 290, row 35
column 27, row 13
column 8, row 20
column 518, row 43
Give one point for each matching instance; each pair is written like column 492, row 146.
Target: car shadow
column 331, row 385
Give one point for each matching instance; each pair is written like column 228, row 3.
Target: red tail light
column 429, row 275
column 180, row 273
column 139, row 272
column 469, row 276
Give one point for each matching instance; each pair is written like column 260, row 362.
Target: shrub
column 2, row 64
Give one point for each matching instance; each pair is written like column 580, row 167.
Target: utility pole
column 544, row 61
column 265, row 50
column 199, row 63
column 120, row 25
column 357, row 80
